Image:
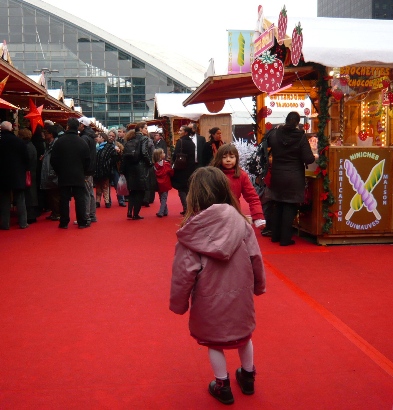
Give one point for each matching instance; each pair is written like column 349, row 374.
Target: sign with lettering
column 365, row 77
column 264, row 41
column 363, row 192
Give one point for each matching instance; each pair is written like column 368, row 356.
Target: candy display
column 364, row 195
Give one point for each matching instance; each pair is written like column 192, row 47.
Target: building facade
column 109, row 78
column 360, row 9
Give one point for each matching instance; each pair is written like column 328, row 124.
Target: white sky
column 196, row 29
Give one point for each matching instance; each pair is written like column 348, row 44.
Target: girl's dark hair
column 292, row 120
column 188, row 130
column 209, row 186
column 225, row 150
column 103, row 135
column 212, row 131
column 157, row 155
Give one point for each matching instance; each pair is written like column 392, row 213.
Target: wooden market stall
column 347, row 74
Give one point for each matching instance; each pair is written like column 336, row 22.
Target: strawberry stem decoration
column 297, row 44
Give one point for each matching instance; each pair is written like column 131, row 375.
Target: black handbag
column 181, row 159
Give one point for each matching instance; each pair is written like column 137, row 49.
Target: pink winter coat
column 219, row 264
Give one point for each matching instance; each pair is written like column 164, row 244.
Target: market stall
column 347, row 76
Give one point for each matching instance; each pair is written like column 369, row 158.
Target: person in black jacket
column 71, row 161
column 14, row 162
column 291, row 152
column 180, row 179
column 89, row 136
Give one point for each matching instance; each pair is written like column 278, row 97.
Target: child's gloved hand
column 259, row 222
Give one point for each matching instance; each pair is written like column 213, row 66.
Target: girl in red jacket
column 164, row 171
column 227, row 159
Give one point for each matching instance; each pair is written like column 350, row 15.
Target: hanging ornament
column 306, row 126
column 215, row 106
column 282, row 25
column 267, row 72
column 268, row 126
column 306, row 111
column 337, row 94
column 34, row 115
column 297, row 44
column 269, row 111
column 363, row 135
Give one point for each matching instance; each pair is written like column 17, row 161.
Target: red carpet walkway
column 85, row 324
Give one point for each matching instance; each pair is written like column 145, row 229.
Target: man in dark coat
column 14, row 162
column 71, row 161
column 159, row 142
column 89, row 136
column 185, row 146
column 291, row 152
column 199, row 143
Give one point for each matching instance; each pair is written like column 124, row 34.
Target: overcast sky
column 197, row 29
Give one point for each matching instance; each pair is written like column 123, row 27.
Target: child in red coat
column 164, row 171
column 227, row 159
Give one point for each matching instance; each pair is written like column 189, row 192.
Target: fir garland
column 327, row 196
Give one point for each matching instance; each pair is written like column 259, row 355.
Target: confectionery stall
column 341, row 83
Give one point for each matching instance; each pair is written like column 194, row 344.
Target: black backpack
column 132, row 150
column 258, row 163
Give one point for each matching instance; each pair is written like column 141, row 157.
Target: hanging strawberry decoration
column 337, row 94
column 306, row 126
column 269, row 111
column 297, row 44
column 363, row 135
column 282, row 25
column 267, row 72
column 268, row 126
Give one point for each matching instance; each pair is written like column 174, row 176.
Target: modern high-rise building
column 112, row 80
column 360, row 9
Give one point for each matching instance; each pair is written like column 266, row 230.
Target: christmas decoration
column 306, row 111
column 282, row 25
column 297, row 44
column 385, row 83
column 269, row 111
column 267, row 72
column 363, row 135
column 215, row 106
column 268, row 126
column 337, row 94
column 34, row 115
column 306, row 126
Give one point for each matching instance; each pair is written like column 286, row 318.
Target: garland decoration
column 327, row 197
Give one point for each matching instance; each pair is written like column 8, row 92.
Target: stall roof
column 20, row 88
column 223, row 87
column 171, row 105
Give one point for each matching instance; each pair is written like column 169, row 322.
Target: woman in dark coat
column 291, row 152
column 180, row 179
column 211, row 147
column 137, row 173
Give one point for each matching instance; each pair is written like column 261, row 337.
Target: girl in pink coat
column 217, row 269
column 227, row 159
column 164, row 172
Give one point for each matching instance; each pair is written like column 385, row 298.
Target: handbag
column 121, row 188
column 28, row 179
column 181, row 159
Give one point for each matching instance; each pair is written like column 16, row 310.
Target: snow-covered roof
column 171, row 105
column 339, row 42
column 186, row 78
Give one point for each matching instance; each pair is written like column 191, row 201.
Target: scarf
column 101, row 146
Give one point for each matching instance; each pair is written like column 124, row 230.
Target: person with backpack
column 136, row 163
column 291, row 152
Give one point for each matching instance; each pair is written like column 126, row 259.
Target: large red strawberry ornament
column 282, row 25
column 363, row 135
column 297, row 44
column 267, row 72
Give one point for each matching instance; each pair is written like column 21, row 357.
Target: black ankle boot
column 221, row 390
column 245, row 380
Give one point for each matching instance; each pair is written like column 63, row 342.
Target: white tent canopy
column 171, row 105
column 339, row 42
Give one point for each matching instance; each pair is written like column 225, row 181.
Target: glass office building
column 360, row 9
column 111, row 80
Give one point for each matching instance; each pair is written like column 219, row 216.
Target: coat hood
column 289, row 136
column 211, row 232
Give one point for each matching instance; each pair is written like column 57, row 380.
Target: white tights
column 219, row 364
